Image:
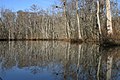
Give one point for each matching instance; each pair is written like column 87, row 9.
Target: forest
column 77, row 20
column 70, row 40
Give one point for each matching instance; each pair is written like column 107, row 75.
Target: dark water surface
column 58, row 61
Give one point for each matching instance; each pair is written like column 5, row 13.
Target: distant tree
column 34, row 8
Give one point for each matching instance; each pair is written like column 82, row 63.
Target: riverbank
column 107, row 42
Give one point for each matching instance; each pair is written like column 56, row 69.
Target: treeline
column 68, row 20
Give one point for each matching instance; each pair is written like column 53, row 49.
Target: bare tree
column 78, row 20
column 66, row 21
column 109, row 18
column 98, row 19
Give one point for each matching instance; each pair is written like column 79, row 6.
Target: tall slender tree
column 66, row 21
column 98, row 18
column 78, row 20
column 109, row 18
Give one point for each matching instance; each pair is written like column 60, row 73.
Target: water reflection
column 58, row 61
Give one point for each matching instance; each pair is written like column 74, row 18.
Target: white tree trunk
column 78, row 21
column 109, row 18
column 66, row 21
column 98, row 18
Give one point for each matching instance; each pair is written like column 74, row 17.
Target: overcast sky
column 16, row 5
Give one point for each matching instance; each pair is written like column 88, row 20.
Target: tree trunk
column 98, row 18
column 66, row 22
column 78, row 21
column 109, row 18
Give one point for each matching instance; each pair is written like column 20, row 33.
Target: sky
column 16, row 5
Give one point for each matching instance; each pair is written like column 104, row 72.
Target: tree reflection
column 64, row 60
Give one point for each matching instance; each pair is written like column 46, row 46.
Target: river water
column 42, row 60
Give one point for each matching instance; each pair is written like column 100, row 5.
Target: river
column 55, row 60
